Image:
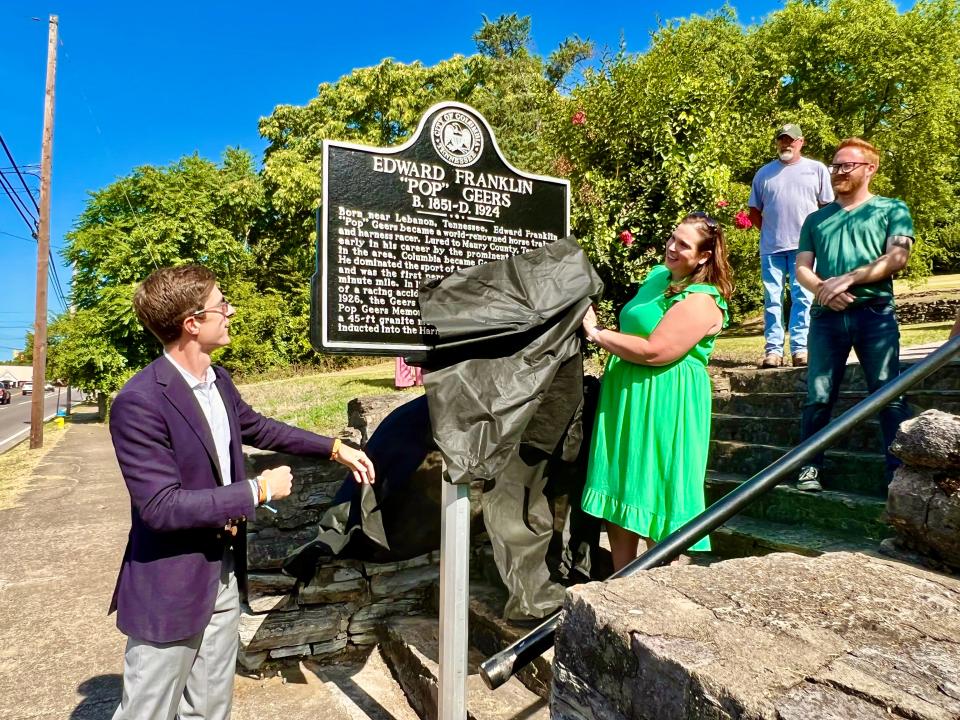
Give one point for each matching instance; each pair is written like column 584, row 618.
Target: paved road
column 15, row 417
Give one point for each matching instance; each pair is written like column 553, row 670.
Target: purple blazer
column 179, row 505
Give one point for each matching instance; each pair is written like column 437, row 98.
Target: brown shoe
column 771, row 360
column 800, row 359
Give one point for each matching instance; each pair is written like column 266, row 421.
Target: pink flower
column 722, row 203
column 626, row 237
column 579, row 117
column 742, row 221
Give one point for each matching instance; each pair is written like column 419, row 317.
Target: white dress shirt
column 211, row 404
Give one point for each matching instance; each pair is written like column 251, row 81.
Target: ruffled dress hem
column 636, row 519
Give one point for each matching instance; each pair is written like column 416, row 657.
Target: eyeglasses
column 709, row 221
column 844, row 168
column 223, row 308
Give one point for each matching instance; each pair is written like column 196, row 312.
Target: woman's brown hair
column 716, row 270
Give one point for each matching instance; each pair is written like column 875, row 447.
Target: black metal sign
column 394, row 217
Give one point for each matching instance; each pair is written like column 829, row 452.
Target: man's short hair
column 165, row 299
column 868, row 150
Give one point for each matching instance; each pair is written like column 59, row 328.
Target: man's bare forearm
column 808, row 278
column 888, row 264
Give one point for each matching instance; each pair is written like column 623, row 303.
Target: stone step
column 746, row 536
column 490, row 634
column 363, row 686
column 854, row 472
column 411, row 649
column 848, row 513
column 790, row 404
column 795, row 379
column 781, row 637
column 785, row 431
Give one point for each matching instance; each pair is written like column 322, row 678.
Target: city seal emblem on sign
column 457, row 138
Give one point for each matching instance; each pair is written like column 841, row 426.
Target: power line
column 52, row 271
column 55, row 276
column 18, row 204
column 18, row 237
column 20, row 191
column 17, row 170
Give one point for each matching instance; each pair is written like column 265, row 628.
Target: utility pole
column 43, row 247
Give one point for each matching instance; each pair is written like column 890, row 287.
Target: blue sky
column 145, row 83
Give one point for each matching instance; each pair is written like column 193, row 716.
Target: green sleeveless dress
column 648, row 456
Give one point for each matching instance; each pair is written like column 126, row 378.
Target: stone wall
column 779, row 637
column 341, row 608
column 926, row 308
column 923, row 502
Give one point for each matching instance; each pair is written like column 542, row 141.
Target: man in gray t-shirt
column 783, row 193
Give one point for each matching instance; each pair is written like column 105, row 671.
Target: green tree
column 686, row 124
column 507, row 37
column 191, row 211
column 513, row 88
column 649, row 137
column 861, row 68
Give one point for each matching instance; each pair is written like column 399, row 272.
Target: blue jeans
column 772, row 270
column 872, row 331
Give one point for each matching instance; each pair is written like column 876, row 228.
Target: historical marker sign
column 394, row 217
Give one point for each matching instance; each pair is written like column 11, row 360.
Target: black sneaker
column 809, row 479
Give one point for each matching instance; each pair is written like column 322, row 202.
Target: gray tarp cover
column 505, row 392
column 505, row 330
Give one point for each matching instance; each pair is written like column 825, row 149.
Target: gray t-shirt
column 785, row 195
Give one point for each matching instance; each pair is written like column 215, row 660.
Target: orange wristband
column 336, row 448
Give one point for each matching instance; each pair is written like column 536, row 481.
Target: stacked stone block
column 342, row 607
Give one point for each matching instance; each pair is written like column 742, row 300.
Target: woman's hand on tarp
column 589, row 321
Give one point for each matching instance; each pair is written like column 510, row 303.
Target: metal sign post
column 454, row 599
column 392, row 218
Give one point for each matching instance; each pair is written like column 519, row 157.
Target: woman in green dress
column 650, row 441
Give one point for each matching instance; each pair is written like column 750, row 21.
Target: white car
column 27, row 388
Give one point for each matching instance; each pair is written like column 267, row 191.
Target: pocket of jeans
column 882, row 309
column 816, row 311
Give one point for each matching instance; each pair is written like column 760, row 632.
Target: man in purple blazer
column 178, row 426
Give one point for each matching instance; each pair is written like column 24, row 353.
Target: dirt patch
column 19, row 463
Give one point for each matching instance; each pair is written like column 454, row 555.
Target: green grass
column 735, row 349
column 319, row 402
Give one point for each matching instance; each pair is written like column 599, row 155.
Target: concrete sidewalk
column 60, row 654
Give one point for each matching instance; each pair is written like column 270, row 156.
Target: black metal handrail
column 499, row 668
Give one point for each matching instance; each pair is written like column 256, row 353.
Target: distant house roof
column 18, row 373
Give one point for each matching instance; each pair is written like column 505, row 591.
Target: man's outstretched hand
column 358, row 463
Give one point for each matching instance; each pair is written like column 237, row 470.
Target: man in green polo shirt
column 858, row 242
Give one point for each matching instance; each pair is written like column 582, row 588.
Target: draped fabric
column 503, row 404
